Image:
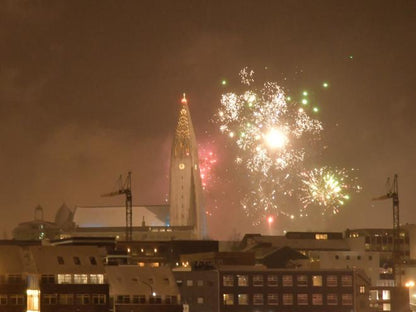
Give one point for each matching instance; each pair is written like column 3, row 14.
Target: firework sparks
column 328, row 188
column 266, row 127
column 207, row 161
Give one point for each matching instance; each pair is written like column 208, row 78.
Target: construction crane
column 393, row 193
column 125, row 188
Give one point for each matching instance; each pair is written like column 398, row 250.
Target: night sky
column 91, row 89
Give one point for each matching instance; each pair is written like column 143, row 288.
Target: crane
column 393, row 193
column 125, row 188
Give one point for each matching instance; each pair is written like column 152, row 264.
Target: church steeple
column 186, row 203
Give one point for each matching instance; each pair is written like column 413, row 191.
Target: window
column 272, row 280
column 16, row 299
column 66, row 299
column 228, row 280
column 83, row 299
column 272, row 299
column 120, row 299
column 336, row 257
column 93, row 261
column 257, row 280
column 200, row 283
column 242, row 280
column 332, row 281
column 258, row 299
column 321, row 236
column 332, row 299
column 317, row 280
column 242, row 299
column 156, row 299
column 316, row 299
column 189, row 283
column 98, row 299
column 370, row 258
column 358, row 257
column 60, row 260
column 362, row 289
column 386, row 307
column 346, row 299
column 96, row 279
column 140, row 299
column 287, row 280
column 49, row 299
column 48, row 279
column 302, row 280
column 200, row 300
column 302, row 299
column 287, row 299
column 228, row 299
column 3, row 299
column 347, row 257
column 64, row 278
column 346, row 280
column 385, row 295
column 80, row 278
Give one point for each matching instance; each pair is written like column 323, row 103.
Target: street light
column 152, row 292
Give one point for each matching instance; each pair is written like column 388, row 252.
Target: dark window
column 93, row 261
column 347, row 257
column 77, row 261
column 370, row 257
column 60, row 260
column 358, row 257
column 336, row 257
column 48, row 279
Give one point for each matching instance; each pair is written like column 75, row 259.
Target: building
column 185, row 195
column 134, row 289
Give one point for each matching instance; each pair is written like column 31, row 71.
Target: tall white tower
column 186, row 202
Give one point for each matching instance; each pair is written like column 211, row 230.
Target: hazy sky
column 90, row 90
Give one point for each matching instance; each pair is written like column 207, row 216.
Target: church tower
column 186, row 202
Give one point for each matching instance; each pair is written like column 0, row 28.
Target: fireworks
column 275, row 139
column 267, row 128
column 328, row 188
column 207, row 160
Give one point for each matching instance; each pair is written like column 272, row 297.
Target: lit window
column 242, row 280
column 287, row 280
column 272, row 299
column 386, row 294
column 189, row 283
column 346, row 280
column 258, row 299
column 321, row 236
column 228, row 280
column 332, row 281
column 272, row 280
column 317, row 280
column 200, row 283
column 242, row 299
column 64, row 278
column 386, row 307
column 346, row 299
column 287, row 299
column 316, row 299
column 33, row 297
column 362, row 289
column 257, row 280
column 200, row 300
column 302, row 299
column 96, row 279
column 332, row 299
column 228, row 299
column 80, row 278
column 302, row 280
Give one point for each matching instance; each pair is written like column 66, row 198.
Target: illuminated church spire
column 186, row 203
